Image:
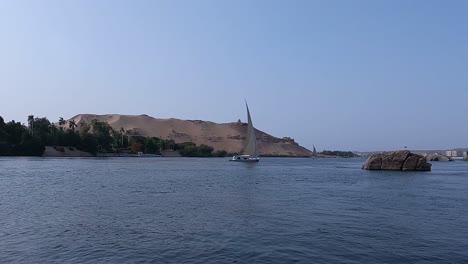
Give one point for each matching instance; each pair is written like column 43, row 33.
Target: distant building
column 290, row 140
column 465, row 155
column 452, row 153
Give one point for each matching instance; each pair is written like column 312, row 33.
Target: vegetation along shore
column 92, row 137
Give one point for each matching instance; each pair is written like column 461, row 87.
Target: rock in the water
column 397, row 160
column 394, row 160
column 438, row 157
column 411, row 163
column 374, row 162
column 423, row 165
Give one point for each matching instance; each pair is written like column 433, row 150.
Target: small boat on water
column 250, row 153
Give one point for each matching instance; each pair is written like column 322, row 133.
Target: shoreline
column 108, row 155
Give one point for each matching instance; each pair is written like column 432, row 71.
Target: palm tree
column 52, row 129
column 122, row 132
column 129, row 135
column 31, row 124
column 72, row 124
column 62, row 122
column 115, row 136
column 84, row 128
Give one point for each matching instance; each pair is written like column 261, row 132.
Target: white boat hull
column 245, row 158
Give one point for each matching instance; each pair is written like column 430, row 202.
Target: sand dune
column 226, row 136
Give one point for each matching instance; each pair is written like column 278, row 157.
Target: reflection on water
column 184, row 210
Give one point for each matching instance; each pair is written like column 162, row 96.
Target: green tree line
column 343, row 154
column 17, row 139
column 189, row 149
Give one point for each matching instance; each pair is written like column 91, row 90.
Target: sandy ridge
column 225, row 136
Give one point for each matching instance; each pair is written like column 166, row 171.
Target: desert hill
column 227, row 136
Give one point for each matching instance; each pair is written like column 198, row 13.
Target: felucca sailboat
column 250, row 153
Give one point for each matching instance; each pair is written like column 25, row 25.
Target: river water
column 188, row 210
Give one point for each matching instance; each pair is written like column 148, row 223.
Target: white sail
column 251, row 140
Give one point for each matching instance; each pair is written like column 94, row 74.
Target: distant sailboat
column 314, row 152
column 250, row 150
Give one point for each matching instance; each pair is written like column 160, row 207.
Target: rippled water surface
column 158, row 210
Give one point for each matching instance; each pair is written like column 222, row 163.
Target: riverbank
column 51, row 151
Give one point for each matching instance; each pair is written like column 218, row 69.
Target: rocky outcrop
column 402, row 160
column 51, row 151
column 438, row 157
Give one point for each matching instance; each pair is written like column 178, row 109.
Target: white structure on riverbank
column 453, row 153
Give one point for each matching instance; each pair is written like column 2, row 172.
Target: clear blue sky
column 355, row 75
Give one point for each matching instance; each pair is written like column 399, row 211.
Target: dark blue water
column 157, row 210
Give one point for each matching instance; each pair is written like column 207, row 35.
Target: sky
column 341, row 75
